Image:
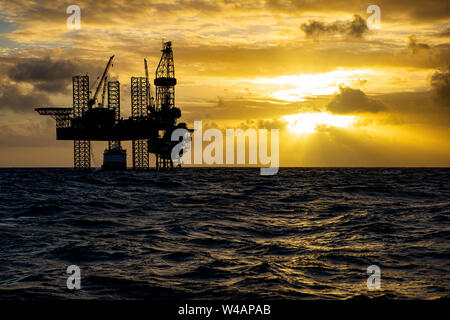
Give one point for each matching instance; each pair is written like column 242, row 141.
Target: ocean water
column 225, row 233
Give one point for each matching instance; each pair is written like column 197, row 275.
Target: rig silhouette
column 149, row 128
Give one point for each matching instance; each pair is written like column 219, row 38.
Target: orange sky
column 341, row 94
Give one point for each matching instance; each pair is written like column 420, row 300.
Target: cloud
column 240, row 109
column 444, row 33
column 27, row 83
column 415, row 46
column 414, row 10
column 440, row 82
column 45, row 74
column 354, row 28
column 27, row 133
column 17, row 100
column 414, row 108
column 350, row 100
column 268, row 124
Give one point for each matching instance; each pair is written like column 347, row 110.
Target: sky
column 341, row 92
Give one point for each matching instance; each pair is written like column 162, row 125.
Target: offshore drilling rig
column 149, row 127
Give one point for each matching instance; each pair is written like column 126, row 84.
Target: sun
column 305, row 123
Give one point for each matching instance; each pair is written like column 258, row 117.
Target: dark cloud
column 440, row 81
column 354, row 28
column 12, row 98
column 45, row 74
column 27, row 83
column 350, row 100
column 415, row 46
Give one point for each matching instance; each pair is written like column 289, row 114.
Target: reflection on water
column 224, row 233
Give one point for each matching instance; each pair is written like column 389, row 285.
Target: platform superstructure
column 96, row 117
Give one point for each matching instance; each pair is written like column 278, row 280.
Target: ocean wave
column 225, row 233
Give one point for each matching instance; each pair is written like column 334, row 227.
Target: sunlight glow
column 299, row 87
column 303, row 123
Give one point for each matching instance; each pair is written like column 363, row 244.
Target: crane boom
column 102, row 80
column 149, row 102
column 104, row 93
column 146, row 68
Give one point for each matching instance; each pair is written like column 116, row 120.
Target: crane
column 149, row 96
column 101, row 83
column 104, row 93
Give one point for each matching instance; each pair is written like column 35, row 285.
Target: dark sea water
column 225, row 233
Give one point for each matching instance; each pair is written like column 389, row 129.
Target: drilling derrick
column 165, row 79
column 167, row 113
column 139, row 104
